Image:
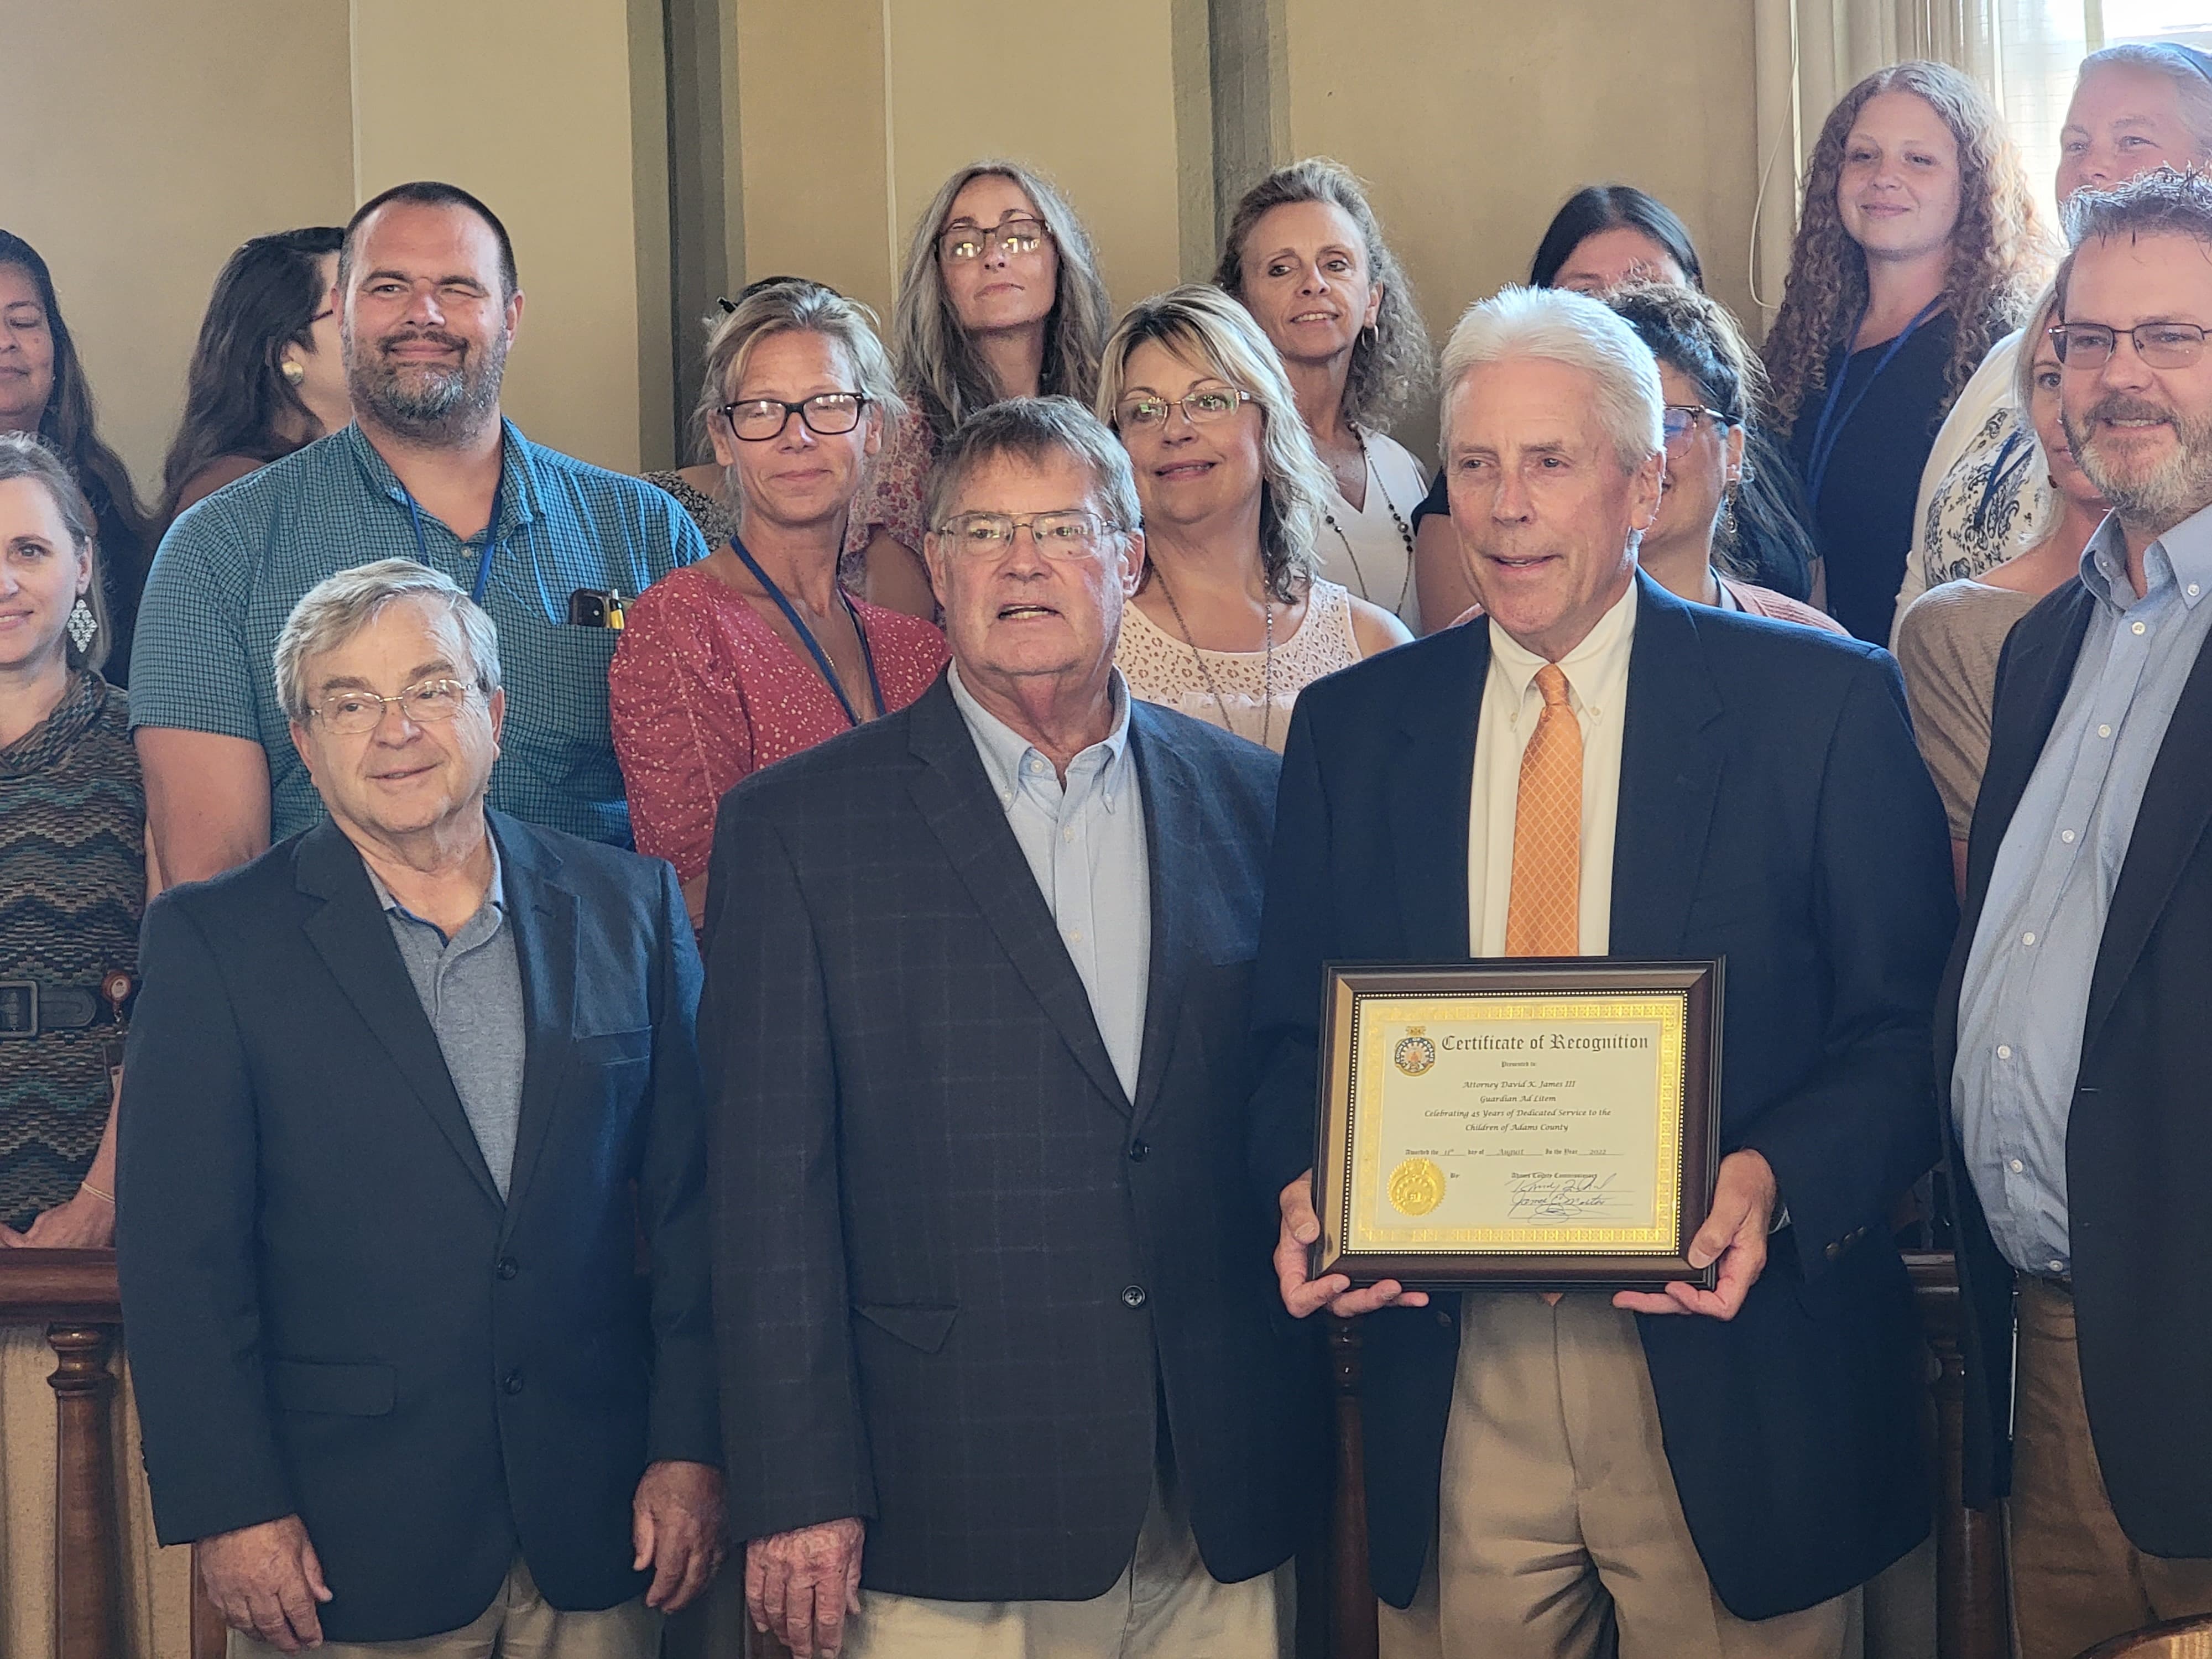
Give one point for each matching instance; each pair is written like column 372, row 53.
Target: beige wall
column 529, row 104
column 852, row 112
column 228, row 118
column 143, row 144
column 835, row 122
column 1473, row 119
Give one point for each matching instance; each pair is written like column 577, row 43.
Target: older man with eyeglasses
column 1002, row 1372
column 2071, row 1027
column 404, row 1097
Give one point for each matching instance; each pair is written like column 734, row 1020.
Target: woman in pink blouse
column 757, row 651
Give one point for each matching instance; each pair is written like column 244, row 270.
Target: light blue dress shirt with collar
column 2026, row 995
column 1084, row 842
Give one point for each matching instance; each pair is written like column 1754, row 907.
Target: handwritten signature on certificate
column 1564, row 1195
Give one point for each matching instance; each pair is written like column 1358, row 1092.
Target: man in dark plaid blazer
column 1003, row 1369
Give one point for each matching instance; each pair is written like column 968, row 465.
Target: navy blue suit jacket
column 966, row 1286
column 2138, row 1139
column 333, row 1314
column 1772, row 811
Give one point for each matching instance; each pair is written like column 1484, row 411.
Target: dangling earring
column 1728, row 516
column 294, row 372
column 82, row 625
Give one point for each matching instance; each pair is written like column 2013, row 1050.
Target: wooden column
column 1352, row 1632
column 88, row 1613
column 1972, row 1599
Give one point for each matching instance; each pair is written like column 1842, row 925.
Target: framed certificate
column 1549, row 1123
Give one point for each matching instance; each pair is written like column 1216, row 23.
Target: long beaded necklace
column 1405, row 531
column 1267, row 663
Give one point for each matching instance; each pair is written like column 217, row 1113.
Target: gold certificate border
column 1362, row 1170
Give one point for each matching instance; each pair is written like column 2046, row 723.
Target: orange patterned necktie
column 1543, row 917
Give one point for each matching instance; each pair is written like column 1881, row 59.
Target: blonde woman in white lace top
column 1232, row 621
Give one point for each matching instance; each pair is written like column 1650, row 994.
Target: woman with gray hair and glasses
column 757, row 651
column 1234, row 618
column 999, row 298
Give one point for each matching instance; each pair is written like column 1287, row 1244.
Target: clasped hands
column 1735, row 1235
column 266, row 1581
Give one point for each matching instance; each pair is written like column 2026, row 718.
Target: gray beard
column 433, row 406
column 2177, row 488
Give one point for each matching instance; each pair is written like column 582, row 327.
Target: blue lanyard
column 491, row 533
column 1829, row 428
column 806, row 636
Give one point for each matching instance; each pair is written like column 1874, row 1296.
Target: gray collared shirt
column 471, row 989
column 2026, row 995
column 1085, row 845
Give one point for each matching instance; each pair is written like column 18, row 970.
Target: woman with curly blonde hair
column 999, row 297
column 1234, row 618
column 1306, row 257
column 1918, row 244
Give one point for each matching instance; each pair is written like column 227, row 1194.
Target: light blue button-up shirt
column 2026, row 995
column 1085, row 844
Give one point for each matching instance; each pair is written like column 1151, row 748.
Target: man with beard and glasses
column 2071, row 1021
column 429, row 471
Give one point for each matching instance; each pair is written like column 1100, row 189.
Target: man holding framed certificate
column 1640, row 1357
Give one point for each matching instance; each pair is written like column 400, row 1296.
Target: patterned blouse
column 895, row 495
column 1240, row 691
column 72, row 890
column 703, row 692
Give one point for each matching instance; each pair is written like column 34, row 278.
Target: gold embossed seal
column 1417, row 1187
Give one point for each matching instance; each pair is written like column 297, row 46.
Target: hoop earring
column 82, row 625
column 1371, row 336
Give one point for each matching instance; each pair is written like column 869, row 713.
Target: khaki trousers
column 518, row 1625
column 2075, row 1578
column 1560, row 1536
column 1164, row 1606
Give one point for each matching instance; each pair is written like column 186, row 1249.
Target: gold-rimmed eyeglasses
column 1206, row 404
column 1070, row 533
column 350, row 714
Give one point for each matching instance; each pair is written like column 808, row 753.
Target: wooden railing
column 72, row 1293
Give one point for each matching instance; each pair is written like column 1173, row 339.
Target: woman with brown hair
column 1305, row 256
column 1917, row 246
column 999, row 298
column 43, row 392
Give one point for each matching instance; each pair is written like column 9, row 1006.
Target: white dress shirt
column 1597, row 692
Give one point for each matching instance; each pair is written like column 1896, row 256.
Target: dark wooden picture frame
column 1698, row 983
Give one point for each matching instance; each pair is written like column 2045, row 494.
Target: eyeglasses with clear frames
column 426, row 702
column 1009, row 236
column 2162, row 345
column 826, row 414
column 1679, row 420
column 1205, row 404
column 1070, row 533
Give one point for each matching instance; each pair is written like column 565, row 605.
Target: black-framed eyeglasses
column 1069, row 533
column 350, row 714
column 1679, row 420
column 1009, row 236
column 826, row 414
column 2162, row 345
column 1205, row 404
